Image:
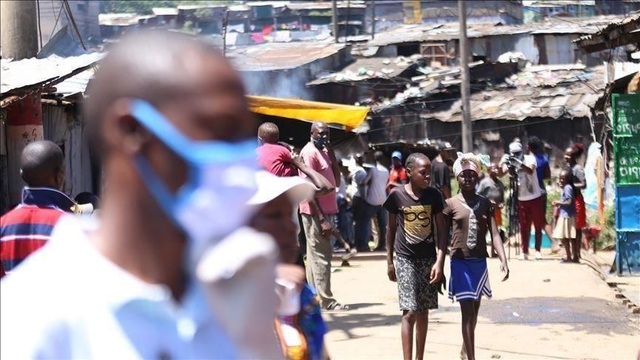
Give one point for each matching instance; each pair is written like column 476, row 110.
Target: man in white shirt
column 376, row 195
column 529, row 196
column 361, row 208
column 166, row 113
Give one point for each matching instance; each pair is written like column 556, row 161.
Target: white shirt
column 376, row 194
column 528, row 186
column 68, row 301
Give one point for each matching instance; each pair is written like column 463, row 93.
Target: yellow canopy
column 349, row 116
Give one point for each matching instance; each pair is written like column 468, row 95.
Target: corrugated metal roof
column 118, row 19
column 451, row 31
column 30, row 72
column 616, row 33
column 76, row 84
column 326, row 5
column 534, row 93
column 165, row 11
column 369, row 68
column 276, row 56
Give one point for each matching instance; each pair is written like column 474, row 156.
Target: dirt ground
column 546, row 310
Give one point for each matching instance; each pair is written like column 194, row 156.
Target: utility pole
column 373, row 19
column 19, row 37
column 225, row 22
column 465, row 85
column 19, row 23
column 334, row 19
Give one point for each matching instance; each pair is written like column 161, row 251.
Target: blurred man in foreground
column 168, row 117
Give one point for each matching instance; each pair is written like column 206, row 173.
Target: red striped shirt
column 24, row 230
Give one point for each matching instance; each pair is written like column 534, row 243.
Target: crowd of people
column 197, row 225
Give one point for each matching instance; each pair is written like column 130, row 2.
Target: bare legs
column 469, row 309
column 566, row 243
column 421, row 322
column 576, row 249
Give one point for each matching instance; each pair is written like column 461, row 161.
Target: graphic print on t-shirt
column 417, row 223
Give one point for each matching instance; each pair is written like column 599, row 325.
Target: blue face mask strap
column 155, row 186
column 194, row 151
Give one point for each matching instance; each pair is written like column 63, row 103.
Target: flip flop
column 336, row 306
column 349, row 255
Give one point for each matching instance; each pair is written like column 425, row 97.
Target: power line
column 39, row 22
column 73, row 22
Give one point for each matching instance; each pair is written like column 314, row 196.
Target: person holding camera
column 530, row 208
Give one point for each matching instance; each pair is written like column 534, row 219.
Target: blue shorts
column 469, row 279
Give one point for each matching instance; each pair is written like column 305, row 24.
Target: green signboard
column 626, row 138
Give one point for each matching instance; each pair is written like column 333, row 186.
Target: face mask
column 221, row 179
column 320, row 142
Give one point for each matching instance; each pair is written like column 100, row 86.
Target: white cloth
column 67, row 301
column 376, row 193
column 239, row 273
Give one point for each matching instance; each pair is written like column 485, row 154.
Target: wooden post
column 19, row 23
column 465, row 91
column 373, row 19
column 225, row 21
column 19, row 33
column 334, row 19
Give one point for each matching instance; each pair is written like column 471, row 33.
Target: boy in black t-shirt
column 413, row 208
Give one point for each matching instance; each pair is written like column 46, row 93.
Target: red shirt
column 276, row 159
column 398, row 176
column 28, row 227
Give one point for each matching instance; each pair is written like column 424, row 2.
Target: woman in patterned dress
column 413, row 208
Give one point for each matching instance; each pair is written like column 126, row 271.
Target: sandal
column 337, row 306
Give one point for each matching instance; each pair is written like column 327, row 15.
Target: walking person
column 318, row 215
column 471, row 216
column 565, row 229
column 413, row 210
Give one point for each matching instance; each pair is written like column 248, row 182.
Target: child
column 565, row 229
column 413, row 207
column 471, row 216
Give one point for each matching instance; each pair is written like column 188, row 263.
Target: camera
column 512, row 163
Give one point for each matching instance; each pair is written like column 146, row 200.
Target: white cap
column 271, row 186
column 515, row 147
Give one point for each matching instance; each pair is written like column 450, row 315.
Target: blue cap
column 396, row 154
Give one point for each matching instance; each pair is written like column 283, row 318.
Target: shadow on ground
column 591, row 315
column 346, row 321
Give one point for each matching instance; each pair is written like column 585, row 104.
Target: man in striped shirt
column 27, row 227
